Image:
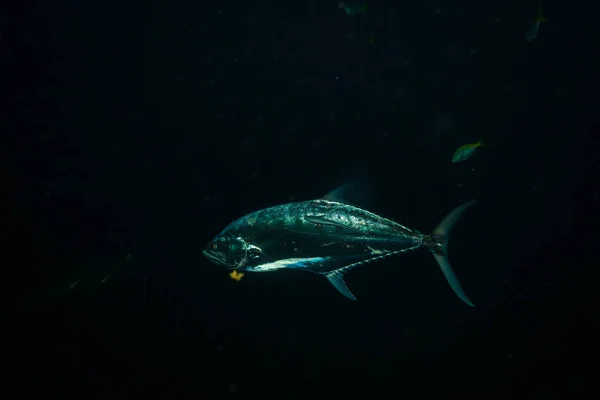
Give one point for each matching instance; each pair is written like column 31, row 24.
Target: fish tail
column 481, row 143
column 437, row 243
column 541, row 17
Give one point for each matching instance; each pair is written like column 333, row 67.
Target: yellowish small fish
column 465, row 151
column 236, row 276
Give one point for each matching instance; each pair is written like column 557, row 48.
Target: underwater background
column 139, row 130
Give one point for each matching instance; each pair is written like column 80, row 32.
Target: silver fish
column 328, row 237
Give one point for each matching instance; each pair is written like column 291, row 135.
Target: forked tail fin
column 437, row 243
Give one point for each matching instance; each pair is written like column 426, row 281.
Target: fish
column 466, row 150
column 327, row 236
column 236, row 276
column 90, row 277
column 352, row 8
column 533, row 30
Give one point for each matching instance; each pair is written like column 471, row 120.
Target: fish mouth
column 214, row 256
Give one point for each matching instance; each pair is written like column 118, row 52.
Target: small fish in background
column 533, row 30
column 371, row 40
column 353, row 8
column 466, row 150
column 236, row 276
column 91, row 276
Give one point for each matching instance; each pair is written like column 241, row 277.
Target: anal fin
column 337, row 280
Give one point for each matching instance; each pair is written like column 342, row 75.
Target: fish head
column 231, row 251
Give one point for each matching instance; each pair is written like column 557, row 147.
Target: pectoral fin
column 320, row 220
column 337, row 280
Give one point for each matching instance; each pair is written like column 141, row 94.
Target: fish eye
column 214, row 246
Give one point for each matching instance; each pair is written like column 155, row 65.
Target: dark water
column 141, row 129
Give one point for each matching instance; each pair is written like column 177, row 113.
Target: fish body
column 466, row 151
column 325, row 237
column 533, row 30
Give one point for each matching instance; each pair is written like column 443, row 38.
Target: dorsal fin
column 355, row 192
column 340, row 194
